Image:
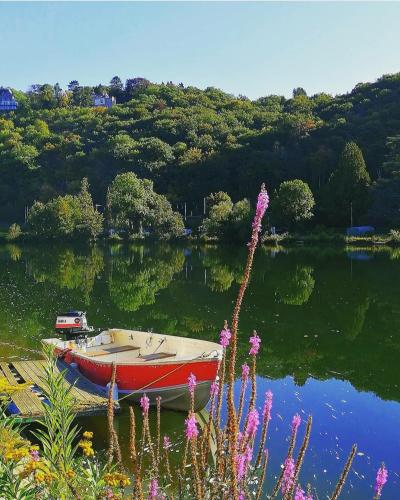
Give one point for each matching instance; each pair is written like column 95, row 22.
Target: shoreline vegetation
column 390, row 238
column 237, row 470
column 167, row 157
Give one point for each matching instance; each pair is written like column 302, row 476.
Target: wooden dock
column 89, row 400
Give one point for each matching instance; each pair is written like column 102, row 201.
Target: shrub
column 395, row 235
column 14, row 232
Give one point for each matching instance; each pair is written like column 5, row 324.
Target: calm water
column 329, row 322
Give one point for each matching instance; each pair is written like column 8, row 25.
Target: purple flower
column 381, row 478
column 296, row 422
column 301, row 495
column 191, row 427
column 267, row 405
column 214, row 389
column 166, row 443
column 225, row 336
column 242, row 462
column 192, row 383
column 245, row 372
column 288, row 475
column 255, row 342
column 145, row 404
column 109, row 493
column 153, row 490
column 34, row 454
column 252, row 423
column 262, row 205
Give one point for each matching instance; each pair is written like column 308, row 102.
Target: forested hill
column 191, row 142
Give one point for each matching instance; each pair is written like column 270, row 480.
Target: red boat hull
column 168, row 380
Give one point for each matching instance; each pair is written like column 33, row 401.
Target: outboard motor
column 73, row 324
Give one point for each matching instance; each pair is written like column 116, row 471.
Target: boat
column 146, row 363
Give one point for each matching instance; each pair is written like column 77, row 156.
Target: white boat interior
column 136, row 347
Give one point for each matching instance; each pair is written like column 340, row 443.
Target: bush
column 395, row 235
column 14, row 232
column 67, row 216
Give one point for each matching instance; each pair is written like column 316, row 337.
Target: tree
column 116, row 88
column 67, row 216
column 298, row 91
column 132, row 205
column 74, row 84
column 89, row 221
column 347, row 192
column 293, row 203
column 391, row 165
column 225, row 219
column 116, row 83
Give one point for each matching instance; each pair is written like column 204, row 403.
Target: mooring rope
column 141, row 389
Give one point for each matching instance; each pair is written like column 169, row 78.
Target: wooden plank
column 24, row 369
column 88, row 398
column 111, row 350
column 122, row 348
column 27, row 401
column 157, row 355
column 7, row 373
column 35, row 370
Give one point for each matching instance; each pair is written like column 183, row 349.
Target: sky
column 247, row 48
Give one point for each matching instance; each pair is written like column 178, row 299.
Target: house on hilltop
column 103, row 100
column 7, row 100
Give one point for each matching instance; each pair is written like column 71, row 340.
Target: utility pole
column 351, row 214
column 185, row 211
column 204, row 206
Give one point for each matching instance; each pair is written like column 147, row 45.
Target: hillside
column 191, row 142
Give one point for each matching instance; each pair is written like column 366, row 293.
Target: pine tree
column 90, row 220
column 347, row 195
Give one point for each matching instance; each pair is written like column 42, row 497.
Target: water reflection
column 317, row 311
column 330, row 324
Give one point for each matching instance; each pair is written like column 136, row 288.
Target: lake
column 329, row 320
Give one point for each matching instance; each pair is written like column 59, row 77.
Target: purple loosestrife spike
column 191, row 427
column 381, row 478
column 252, row 423
column 296, row 422
column 153, row 490
column 214, row 389
column 243, row 461
column 145, row 404
column 267, row 405
column 245, row 372
column 225, row 336
column 262, row 205
column 192, row 383
column 288, row 475
column 301, row 495
column 166, row 443
column 255, row 342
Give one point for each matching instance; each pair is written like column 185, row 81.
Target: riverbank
column 391, row 238
column 332, row 237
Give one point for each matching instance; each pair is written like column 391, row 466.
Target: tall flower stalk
column 262, row 204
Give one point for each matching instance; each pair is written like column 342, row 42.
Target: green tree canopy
column 348, row 187
column 67, row 216
column 133, row 205
column 293, row 203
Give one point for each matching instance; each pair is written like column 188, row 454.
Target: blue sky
column 245, row 48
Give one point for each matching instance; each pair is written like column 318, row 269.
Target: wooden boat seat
column 157, row 355
column 112, row 350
